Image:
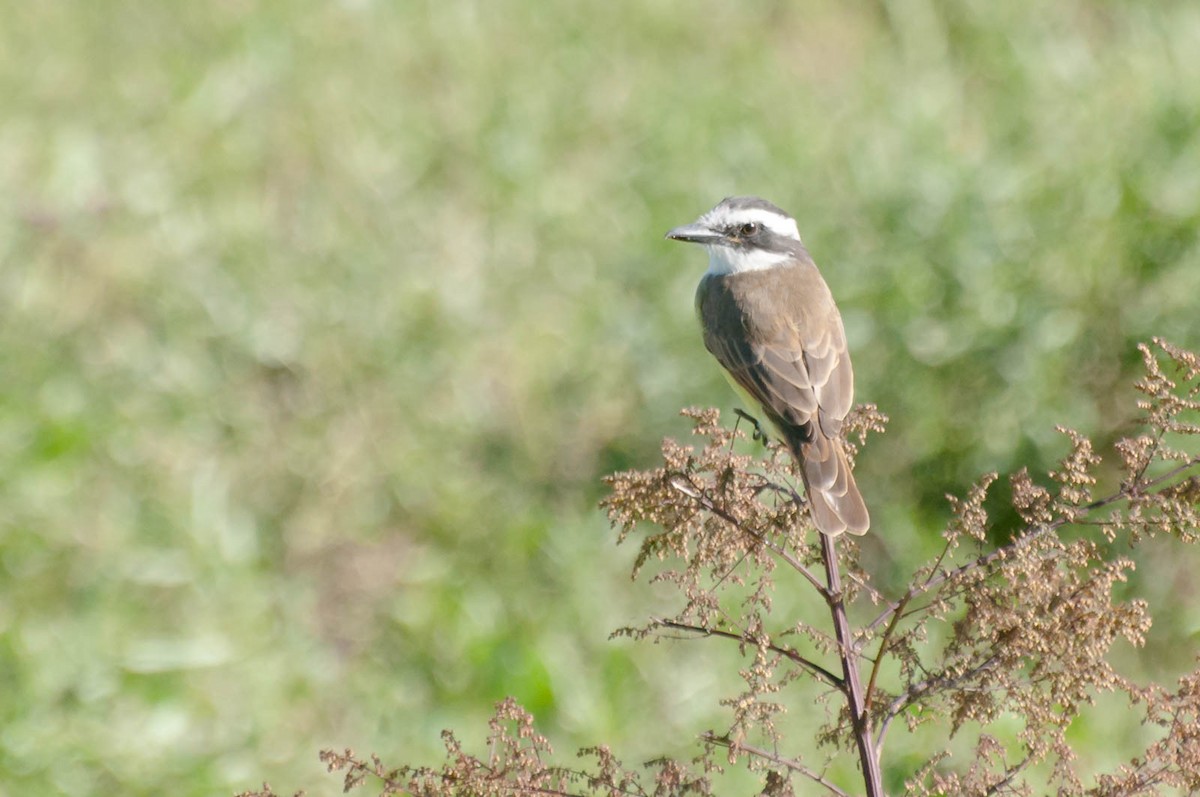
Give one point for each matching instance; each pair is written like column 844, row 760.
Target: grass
column 319, row 323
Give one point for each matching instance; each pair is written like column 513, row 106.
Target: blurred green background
column 321, row 321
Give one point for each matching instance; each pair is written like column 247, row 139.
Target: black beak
column 695, row 234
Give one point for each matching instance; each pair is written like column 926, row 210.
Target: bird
column 769, row 319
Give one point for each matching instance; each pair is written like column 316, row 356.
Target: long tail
column 835, row 501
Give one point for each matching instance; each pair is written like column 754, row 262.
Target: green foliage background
column 320, row 322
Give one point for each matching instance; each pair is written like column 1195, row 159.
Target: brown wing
column 781, row 339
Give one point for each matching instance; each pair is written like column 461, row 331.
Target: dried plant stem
column 748, row 639
column 851, row 682
column 879, row 656
column 788, row 763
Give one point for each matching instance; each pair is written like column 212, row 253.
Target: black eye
column 749, row 228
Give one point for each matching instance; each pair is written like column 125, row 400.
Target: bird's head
column 743, row 233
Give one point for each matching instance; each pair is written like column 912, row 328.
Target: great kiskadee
column 769, row 319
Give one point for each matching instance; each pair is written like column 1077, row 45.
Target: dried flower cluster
column 982, row 639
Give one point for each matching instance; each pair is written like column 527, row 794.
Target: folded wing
column 799, row 371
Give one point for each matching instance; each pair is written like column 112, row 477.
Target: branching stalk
column 790, row 653
column 774, row 758
column 852, row 683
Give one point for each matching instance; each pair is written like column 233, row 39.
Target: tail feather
column 833, row 496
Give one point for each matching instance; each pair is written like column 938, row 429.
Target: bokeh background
column 320, row 323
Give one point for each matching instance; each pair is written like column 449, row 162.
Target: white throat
column 728, row 260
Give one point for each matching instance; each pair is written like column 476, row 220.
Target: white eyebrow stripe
column 780, row 225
